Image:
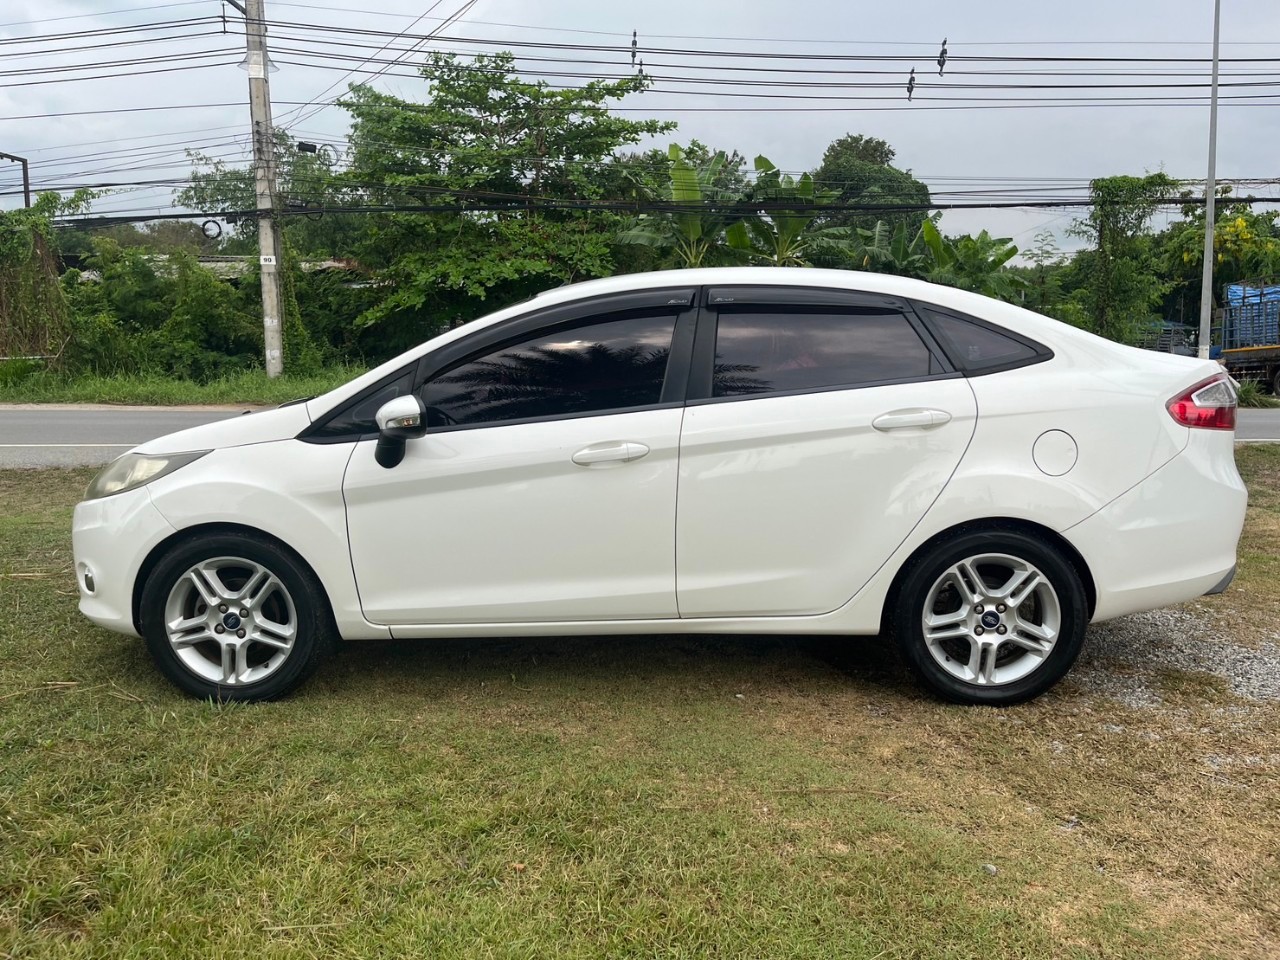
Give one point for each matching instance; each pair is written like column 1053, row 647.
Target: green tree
column 856, row 146
column 857, row 168
column 305, row 183
column 1122, row 284
column 34, row 319
column 484, row 135
column 1246, row 244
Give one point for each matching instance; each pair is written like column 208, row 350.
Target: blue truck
column 1250, row 340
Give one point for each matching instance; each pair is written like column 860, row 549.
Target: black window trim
column 680, row 300
column 723, row 297
column 923, row 309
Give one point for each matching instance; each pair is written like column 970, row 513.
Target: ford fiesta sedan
column 734, row 450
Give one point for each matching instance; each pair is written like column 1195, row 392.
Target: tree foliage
column 306, row 182
column 483, row 132
column 857, row 169
column 34, row 319
column 1122, row 284
column 782, row 236
column 696, row 236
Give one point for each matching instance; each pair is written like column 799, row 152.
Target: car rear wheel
column 235, row 617
column 991, row 617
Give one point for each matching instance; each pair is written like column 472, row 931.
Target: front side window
column 358, row 418
column 606, row 365
column 774, row 352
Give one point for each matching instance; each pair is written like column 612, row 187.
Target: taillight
column 1210, row 405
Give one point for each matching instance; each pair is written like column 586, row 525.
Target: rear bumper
column 110, row 538
column 1221, row 585
column 1170, row 538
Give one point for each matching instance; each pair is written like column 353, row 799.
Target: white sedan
column 733, row 450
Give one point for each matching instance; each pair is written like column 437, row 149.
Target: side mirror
column 399, row 419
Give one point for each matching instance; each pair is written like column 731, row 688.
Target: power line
column 929, row 44
column 624, row 50
column 299, row 118
column 151, row 25
column 106, row 13
column 112, row 76
column 634, row 207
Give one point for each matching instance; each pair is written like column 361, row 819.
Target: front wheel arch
column 995, row 525
column 203, row 530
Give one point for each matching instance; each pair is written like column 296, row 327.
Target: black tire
column 312, row 620
column 1275, row 383
column 926, row 571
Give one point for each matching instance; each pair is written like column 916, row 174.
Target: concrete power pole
column 264, row 169
column 1210, row 194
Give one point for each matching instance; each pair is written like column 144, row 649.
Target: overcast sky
column 936, row 145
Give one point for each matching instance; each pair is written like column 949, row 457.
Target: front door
column 547, row 493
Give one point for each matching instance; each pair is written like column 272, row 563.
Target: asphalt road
column 54, row 435
column 57, row 435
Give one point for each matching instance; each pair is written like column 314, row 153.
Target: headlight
column 134, row 469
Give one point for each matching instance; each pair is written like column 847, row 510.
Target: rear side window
column 774, row 352
column 976, row 347
column 606, row 365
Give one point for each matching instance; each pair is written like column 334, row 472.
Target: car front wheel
column 235, row 617
column 991, row 617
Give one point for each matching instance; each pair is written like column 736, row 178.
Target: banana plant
column 782, row 234
column 693, row 235
column 972, row 263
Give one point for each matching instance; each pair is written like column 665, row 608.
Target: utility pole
column 1210, row 196
column 26, row 176
column 264, row 175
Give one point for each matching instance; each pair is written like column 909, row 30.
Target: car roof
column 1051, row 332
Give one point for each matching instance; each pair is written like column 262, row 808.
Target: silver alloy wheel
column 230, row 621
column 991, row 619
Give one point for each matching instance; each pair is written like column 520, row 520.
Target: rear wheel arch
column 188, row 534
column 1049, row 537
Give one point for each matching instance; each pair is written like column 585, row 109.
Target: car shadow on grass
column 641, row 663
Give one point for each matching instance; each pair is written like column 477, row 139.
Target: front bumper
column 110, row 539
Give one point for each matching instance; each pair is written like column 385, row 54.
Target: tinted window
column 358, row 418
column 768, row 352
column 600, row 366
column 976, row 347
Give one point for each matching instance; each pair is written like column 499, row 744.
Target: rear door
column 821, row 426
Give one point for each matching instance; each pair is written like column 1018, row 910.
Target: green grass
column 251, row 386
column 585, row 798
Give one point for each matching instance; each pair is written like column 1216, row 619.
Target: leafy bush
column 1249, row 393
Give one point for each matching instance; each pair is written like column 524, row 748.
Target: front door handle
column 917, row 417
column 615, row 451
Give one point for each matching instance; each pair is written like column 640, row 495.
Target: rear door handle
column 917, row 417
column 614, row 451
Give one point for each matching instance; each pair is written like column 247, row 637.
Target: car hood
column 282, row 423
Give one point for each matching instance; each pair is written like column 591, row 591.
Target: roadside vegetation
column 246, row 387
column 633, row 797
column 1249, row 393
column 495, row 188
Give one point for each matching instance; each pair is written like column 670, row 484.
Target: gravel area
column 1123, row 658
